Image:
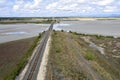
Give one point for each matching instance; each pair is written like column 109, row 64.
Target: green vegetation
column 11, row 54
column 102, row 71
column 24, row 48
column 62, row 30
column 25, row 22
column 24, row 60
column 72, row 58
column 89, row 56
column 95, row 35
column 62, row 61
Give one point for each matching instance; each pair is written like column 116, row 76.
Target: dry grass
column 65, row 58
column 62, row 64
column 102, row 71
column 106, row 62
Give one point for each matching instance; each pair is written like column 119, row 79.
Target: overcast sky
column 40, row 8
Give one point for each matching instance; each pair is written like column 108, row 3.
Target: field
column 73, row 58
column 25, row 20
column 13, row 56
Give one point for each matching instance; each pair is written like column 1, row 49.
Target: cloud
column 52, row 5
column 110, row 9
column 27, row 6
column 83, row 6
column 5, row 3
column 15, row 7
column 58, row 7
column 2, row 1
column 33, row 5
column 103, row 2
column 78, row 6
column 18, row 4
column 64, row 4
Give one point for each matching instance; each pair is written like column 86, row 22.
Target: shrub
column 70, row 31
column 53, row 30
column 55, row 33
column 62, row 30
column 90, row 56
column 58, row 50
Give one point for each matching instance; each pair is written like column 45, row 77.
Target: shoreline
column 17, row 40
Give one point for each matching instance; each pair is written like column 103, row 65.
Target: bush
column 53, row 30
column 55, row 33
column 62, row 30
column 70, row 31
column 58, row 50
column 90, row 56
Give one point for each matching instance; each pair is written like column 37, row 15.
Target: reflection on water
column 57, row 26
column 10, row 33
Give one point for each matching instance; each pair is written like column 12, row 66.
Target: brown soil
column 11, row 53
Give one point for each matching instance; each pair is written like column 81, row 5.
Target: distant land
column 78, row 16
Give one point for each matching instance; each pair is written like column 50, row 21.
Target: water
column 10, row 32
column 100, row 27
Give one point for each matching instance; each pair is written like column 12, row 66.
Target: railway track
column 33, row 69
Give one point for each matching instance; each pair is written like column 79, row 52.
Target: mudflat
column 11, row 32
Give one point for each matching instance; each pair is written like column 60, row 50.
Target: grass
column 64, row 58
column 95, row 35
column 62, row 30
column 62, row 62
column 106, row 64
column 90, row 56
column 25, row 22
column 102, row 71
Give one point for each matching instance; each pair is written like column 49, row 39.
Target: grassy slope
column 62, row 61
column 66, row 63
column 108, row 62
column 13, row 56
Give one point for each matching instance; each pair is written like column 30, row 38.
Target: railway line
column 32, row 71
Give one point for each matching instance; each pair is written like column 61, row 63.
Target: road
column 32, row 71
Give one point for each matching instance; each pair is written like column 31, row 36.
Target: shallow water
column 10, row 32
column 100, row 27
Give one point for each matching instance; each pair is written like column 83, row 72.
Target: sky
column 58, row 8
